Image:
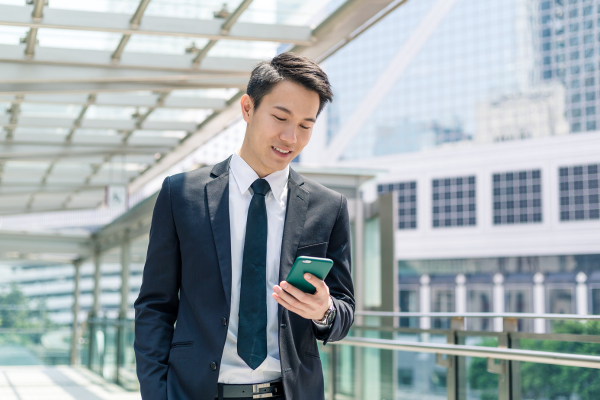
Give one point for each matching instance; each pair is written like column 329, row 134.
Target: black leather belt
column 258, row 391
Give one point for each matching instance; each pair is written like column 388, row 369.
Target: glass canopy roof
column 111, row 92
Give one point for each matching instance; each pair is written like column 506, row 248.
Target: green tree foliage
column 545, row 381
column 15, row 313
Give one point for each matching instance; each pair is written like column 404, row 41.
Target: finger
column 288, row 298
column 288, row 306
column 297, row 293
column 316, row 282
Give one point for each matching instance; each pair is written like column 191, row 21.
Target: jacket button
column 213, row 366
column 224, row 321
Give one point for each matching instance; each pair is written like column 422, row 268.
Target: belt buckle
column 256, row 391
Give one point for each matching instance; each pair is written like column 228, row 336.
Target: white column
column 425, row 301
column 582, row 294
column 96, row 290
column 498, row 301
column 461, row 294
column 359, row 254
column 75, row 325
column 125, row 261
column 539, row 302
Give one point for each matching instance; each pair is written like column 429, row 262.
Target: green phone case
column 319, row 267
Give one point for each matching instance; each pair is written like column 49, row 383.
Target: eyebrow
column 285, row 110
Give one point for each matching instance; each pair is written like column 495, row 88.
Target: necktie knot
column 261, row 186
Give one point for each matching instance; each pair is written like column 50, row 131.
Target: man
column 224, row 238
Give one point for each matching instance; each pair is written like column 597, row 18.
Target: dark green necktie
column 252, row 328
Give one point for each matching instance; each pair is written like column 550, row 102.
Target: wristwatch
column 329, row 316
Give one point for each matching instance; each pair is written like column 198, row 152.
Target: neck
column 254, row 162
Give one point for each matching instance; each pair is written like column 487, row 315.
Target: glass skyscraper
column 487, row 72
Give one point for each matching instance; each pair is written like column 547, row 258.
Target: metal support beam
column 234, row 16
column 77, row 123
column 75, row 325
column 135, row 24
column 36, row 16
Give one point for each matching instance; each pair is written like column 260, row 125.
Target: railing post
column 509, row 372
column 456, row 366
column 125, row 263
column 75, row 326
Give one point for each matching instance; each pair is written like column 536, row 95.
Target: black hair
column 289, row 67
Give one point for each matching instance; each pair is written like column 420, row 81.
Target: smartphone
column 319, row 267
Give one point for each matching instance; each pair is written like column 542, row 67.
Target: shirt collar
column 244, row 176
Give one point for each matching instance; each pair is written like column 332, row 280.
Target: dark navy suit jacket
column 187, row 279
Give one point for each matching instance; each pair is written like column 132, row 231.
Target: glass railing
column 380, row 359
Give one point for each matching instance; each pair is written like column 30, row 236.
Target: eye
column 305, row 127
column 279, row 119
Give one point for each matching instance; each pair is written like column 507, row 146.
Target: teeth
column 281, row 151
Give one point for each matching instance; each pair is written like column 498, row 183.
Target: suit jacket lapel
column 294, row 224
column 217, row 194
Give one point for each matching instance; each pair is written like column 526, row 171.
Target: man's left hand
column 306, row 305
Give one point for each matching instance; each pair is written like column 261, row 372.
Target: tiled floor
column 57, row 383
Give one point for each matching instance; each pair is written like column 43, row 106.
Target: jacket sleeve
column 157, row 304
column 339, row 279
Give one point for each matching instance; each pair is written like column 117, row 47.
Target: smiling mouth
column 281, row 151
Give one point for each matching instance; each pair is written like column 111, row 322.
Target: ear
column 247, row 106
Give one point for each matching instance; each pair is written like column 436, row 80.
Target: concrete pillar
column 498, row 301
column 425, row 301
column 582, row 294
column 75, row 325
column 539, row 302
column 125, row 261
column 96, row 290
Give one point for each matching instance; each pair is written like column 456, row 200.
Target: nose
column 288, row 135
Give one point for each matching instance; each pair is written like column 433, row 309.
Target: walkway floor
column 57, row 383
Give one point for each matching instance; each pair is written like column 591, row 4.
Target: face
column 279, row 128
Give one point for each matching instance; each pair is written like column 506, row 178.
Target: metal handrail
column 477, row 315
column 541, row 357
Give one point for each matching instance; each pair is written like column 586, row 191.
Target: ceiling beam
column 31, row 38
column 98, row 87
column 151, row 25
column 138, row 61
column 15, row 73
column 119, row 125
column 24, row 145
column 123, row 100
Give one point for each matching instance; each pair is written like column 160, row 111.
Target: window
column 590, row 96
column 590, row 125
column 573, row 13
column 545, row 5
column 576, row 127
column 590, row 110
column 560, row 58
column 574, row 55
column 579, row 192
column 587, row 10
column 589, row 53
column 588, row 24
column 575, row 71
column 407, row 202
column 589, row 81
column 575, row 83
column 560, row 44
column 588, row 39
column 576, row 98
column 546, row 47
column 589, row 67
column 547, row 60
column 546, row 18
column 547, row 74
column 573, row 27
column 454, row 202
column 574, row 41
column 517, row 197
column 561, row 72
column 546, row 32
column 576, row 112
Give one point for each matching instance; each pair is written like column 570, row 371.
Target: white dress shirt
column 241, row 176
